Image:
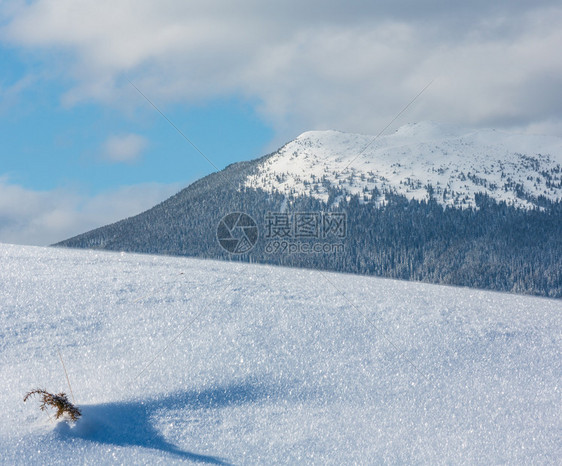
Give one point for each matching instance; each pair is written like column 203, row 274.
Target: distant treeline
column 493, row 246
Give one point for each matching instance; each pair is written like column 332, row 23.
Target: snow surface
column 274, row 365
column 456, row 162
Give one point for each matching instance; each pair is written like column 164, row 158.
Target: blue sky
column 82, row 148
column 46, row 145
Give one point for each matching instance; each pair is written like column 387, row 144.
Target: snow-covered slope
column 456, row 162
column 264, row 365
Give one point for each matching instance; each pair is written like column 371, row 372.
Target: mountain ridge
column 510, row 242
column 419, row 161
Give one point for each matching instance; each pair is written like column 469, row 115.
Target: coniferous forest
column 492, row 246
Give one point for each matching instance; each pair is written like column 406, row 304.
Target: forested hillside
column 492, row 245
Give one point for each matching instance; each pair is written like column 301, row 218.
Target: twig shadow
column 129, row 423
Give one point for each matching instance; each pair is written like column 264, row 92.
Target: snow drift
column 184, row 360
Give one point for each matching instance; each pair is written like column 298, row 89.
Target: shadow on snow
column 130, row 423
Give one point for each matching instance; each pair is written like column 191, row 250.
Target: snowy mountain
column 180, row 360
column 428, row 203
column 449, row 163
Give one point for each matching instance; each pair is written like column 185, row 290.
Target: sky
column 82, row 147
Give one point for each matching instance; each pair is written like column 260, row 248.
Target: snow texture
column 456, row 162
column 267, row 365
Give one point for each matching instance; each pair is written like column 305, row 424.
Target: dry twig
column 59, row 402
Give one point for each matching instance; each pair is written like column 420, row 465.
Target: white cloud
column 345, row 65
column 45, row 217
column 124, row 148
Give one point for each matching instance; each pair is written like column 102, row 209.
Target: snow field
column 266, row 365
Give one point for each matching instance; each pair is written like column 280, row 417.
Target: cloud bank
column 322, row 64
column 46, row 217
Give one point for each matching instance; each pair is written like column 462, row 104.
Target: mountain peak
column 315, row 134
column 419, row 160
column 420, row 131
